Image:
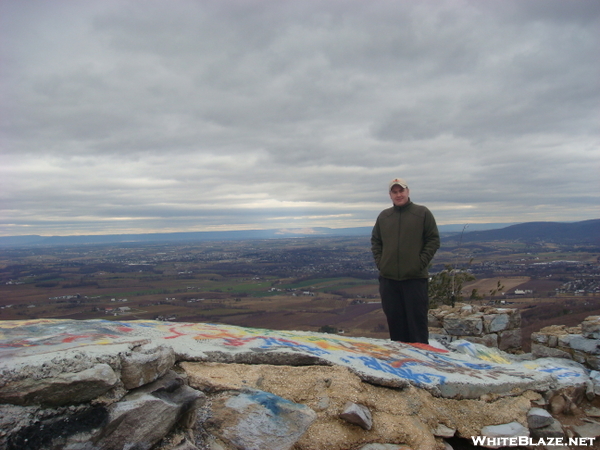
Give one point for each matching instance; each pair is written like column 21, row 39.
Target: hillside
column 559, row 232
column 587, row 231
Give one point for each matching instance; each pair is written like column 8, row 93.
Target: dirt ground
column 484, row 285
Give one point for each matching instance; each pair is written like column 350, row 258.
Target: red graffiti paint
column 428, row 347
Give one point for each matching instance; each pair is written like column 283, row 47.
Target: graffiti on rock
column 422, row 365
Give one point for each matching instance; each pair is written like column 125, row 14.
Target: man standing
column 404, row 239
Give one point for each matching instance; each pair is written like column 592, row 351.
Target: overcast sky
column 123, row 116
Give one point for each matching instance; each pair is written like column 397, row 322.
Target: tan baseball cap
column 399, row 182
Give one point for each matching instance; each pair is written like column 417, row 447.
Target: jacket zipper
column 399, row 245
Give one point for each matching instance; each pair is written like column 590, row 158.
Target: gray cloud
column 121, row 116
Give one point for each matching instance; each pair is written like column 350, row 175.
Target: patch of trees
column 47, row 284
column 113, row 268
column 328, row 329
column 16, row 268
column 81, row 283
column 445, row 287
column 49, row 276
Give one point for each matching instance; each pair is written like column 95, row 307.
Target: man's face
column 399, row 195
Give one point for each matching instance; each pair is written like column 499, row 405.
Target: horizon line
column 283, row 231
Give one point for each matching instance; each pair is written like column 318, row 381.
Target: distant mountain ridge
column 560, row 232
column 32, row 240
column 587, row 231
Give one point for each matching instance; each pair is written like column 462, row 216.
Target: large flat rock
column 49, row 346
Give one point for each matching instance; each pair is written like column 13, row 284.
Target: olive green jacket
column 404, row 240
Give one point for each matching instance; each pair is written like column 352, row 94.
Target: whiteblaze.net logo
column 518, row 441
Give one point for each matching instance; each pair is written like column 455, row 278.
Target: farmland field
column 281, row 284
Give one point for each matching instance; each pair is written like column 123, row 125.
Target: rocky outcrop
column 581, row 344
column 96, row 385
column 490, row 326
column 147, row 414
column 63, row 389
column 410, row 416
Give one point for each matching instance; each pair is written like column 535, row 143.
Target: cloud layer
column 123, row 116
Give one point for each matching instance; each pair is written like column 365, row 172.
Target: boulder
column 443, row 431
column 147, row 414
column 509, row 339
column 357, row 415
column 492, row 323
column 433, row 321
column 541, row 351
column 588, row 430
column 540, row 338
column 580, row 343
column 538, row 418
column 553, row 429
column 558, row 404
column 33, row 428
column 498, row 434
column 511, row 429
column 515, row 319
column 63, row 389
column 595, row 378
column 590, row 327
column 258, row 420
column 145, row 364
column 593, row 361
column 463, row 326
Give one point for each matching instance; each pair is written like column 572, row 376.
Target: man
column 404, row 239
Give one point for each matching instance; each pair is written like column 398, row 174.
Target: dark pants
column 405, row 304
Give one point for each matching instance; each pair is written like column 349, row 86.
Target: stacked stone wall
column 581, row 343
column 493, row 327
